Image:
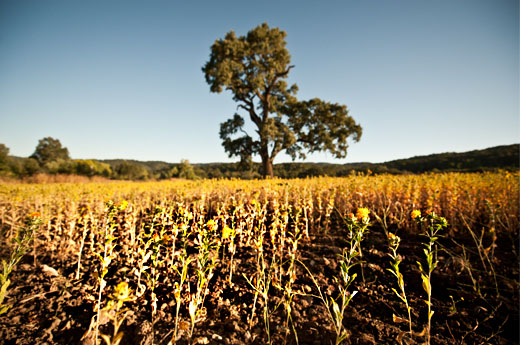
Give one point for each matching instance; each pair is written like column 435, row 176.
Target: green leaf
column 3, row 290
column 4, row 309
column 425, row 284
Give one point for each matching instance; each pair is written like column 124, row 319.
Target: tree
column 49, row 150
column 254, row 68
column 4, row 155
column 186, row 170
column 127, row 170
column 30, row 166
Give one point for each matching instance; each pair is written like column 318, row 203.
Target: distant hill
column 500, row 157
column 505, row 157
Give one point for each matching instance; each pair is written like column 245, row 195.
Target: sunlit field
column 357, row 260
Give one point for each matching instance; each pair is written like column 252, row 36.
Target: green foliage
column 21, row 246
column 491, row 159
column 91, row 167
column 4, row 154
column 254, row 68
column 128, row 170
column 59, row 166
column 186, row 170
column 30, row 167
column 431, row 225
column 50, row 150
column 321, row 126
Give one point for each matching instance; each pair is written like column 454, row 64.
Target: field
column 357, row 260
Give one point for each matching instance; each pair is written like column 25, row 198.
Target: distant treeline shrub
column 492, row 159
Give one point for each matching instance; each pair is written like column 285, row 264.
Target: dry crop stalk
column 289, row 293
column 178, row 287
column 82, row 220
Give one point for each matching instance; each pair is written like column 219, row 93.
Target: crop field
column 357, row 260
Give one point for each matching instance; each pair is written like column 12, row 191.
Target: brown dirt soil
column 57, row 309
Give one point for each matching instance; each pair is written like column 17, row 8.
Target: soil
column 49, row 306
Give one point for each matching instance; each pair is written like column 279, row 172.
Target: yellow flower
column 393, row 239
column 415, row 214
column 226, row 232
column 212, row 225
column 362, row 213
column 123, row 205
column 122, row 292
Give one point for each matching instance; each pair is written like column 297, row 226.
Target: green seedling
column 22, row 244
column 115, row 312
column 106, row 254
column 431, row 225
column 393, row 243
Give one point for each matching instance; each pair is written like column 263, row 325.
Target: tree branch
column 252, row 114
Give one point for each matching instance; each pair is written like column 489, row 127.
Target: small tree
column 30, row 167
column 186, row 170
column 254, row 68
column 50, row 150
column 4, row 154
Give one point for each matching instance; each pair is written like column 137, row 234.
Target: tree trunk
column 267, row 167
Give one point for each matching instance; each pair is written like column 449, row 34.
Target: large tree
column 254, row 68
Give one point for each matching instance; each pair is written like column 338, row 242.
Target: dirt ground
column 51, row 307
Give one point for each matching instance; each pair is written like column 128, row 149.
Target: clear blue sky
column 123, row 79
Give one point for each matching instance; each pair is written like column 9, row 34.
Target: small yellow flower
column 122, row 292
column 123, row 205
column 226, row 232
column 35, row 215
column 212, row 225
column 415, row 214
column 393, row 239
column 362, row 214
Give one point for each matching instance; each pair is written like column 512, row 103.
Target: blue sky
column 123, row 79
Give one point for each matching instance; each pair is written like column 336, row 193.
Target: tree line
column 50, row 157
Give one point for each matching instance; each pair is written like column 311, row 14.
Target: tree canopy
column 254, row 68
column 50, row 150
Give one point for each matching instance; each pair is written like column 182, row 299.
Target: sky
column 122, row 79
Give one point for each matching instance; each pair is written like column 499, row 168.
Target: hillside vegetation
column 491, row 159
